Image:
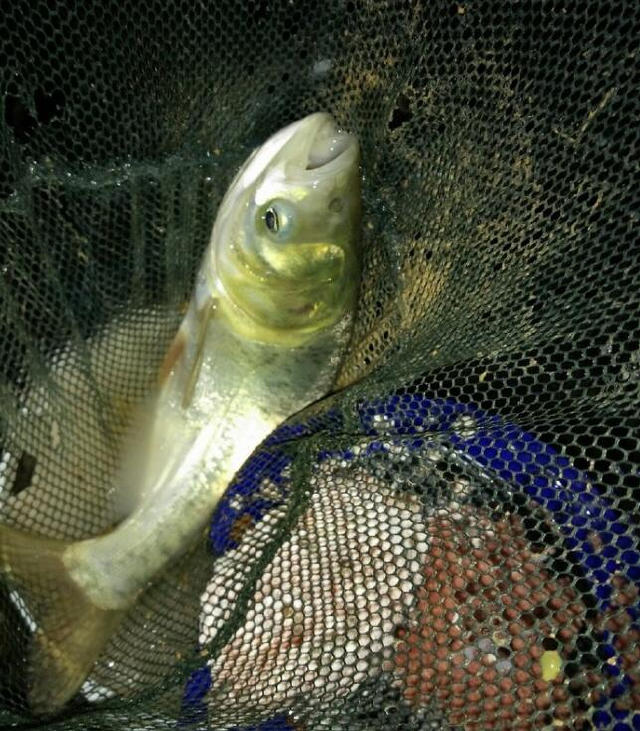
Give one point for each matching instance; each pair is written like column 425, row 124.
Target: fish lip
column 329, row 144
column 344, row 158
column 296, row 152
column 328, row 148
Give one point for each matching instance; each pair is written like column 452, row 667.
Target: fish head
column 285, row 252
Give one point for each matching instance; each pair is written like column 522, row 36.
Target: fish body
column 262, row 337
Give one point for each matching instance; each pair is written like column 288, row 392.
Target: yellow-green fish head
column 285, row 246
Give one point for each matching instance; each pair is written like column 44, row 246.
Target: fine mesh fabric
column 451, row 540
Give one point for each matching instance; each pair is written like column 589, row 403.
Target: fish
column 263, row 336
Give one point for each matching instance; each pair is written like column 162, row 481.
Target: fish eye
column 278, row 216
column 271, row 219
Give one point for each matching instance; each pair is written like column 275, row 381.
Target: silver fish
column 263, row 337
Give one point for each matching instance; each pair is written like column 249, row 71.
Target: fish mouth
column 330, row 147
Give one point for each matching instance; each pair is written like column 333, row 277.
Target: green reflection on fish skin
column 294, row 263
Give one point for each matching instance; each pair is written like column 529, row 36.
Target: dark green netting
column 451, row 541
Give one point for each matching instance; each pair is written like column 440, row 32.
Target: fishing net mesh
column 451, row 539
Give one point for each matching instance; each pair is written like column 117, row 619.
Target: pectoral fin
column 203, row 318
column 71, row 630
column 186, row 349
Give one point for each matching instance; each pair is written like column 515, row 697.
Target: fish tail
column 71, row 630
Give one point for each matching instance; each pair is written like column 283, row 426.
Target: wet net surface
column 451, row 541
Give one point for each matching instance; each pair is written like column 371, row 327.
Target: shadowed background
column 501, row 177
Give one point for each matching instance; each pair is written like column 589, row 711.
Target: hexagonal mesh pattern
column 452, row 539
